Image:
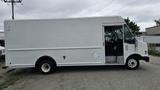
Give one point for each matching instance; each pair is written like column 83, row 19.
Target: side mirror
column 133, row 41
column 130, row 41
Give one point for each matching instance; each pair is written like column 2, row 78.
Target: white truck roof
column 108, row 19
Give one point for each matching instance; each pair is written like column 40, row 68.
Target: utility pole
column 12, row 3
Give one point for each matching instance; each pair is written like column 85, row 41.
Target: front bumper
column 145, row 58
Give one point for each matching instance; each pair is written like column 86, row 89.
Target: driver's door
column 114, row 44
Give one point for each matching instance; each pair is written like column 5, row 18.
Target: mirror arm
column 136, row 43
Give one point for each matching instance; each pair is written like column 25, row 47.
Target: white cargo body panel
column 70, row 42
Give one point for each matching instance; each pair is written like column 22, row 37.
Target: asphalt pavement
column 147, row 77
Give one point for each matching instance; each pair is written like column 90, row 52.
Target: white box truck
column 47, row 44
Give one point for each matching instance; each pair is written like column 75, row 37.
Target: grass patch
column 10, row 78
column 154, row 53
column 2, row 59
column 152, row 50
column 8, row 82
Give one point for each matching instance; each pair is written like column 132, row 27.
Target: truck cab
column 122, row 47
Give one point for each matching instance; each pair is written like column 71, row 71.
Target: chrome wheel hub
column 45, row 67
column 132, row 63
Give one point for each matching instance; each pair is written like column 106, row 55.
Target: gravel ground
column 147, row 77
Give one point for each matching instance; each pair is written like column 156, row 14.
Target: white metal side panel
column 49, row 34
column 72, row 57
column 27, row 41
column 80, row 40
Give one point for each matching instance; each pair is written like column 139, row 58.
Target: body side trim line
column 57, row 48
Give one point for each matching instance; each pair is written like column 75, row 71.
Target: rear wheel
column 132, row 63
column 46, row 66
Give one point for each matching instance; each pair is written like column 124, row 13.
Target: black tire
column 46, row 66
column 132, row 63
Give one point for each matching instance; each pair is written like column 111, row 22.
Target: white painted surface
column 80, row 40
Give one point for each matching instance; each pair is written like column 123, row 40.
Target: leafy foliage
column 157, row 22
column 152, row 50
column 133, row 26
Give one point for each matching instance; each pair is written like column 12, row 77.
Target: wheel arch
column 45, row 57
column 136, row 56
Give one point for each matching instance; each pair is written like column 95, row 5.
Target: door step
column 114, row 59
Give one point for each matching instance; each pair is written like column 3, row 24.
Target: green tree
column 133, row 26
column 157, row 22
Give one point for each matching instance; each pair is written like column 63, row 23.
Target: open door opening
column 113, row 44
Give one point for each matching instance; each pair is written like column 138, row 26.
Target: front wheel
column 132, row 63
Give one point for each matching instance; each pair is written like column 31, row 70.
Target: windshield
column 128, row 35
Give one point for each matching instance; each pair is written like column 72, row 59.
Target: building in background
column 152, row 35
column 153, row 31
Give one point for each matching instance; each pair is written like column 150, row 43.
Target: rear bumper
column 145, row 58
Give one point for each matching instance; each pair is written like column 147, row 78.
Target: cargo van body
column 71, row 42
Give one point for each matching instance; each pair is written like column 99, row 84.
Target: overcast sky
column 143, row 12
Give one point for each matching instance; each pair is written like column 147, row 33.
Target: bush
column 152, row 50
